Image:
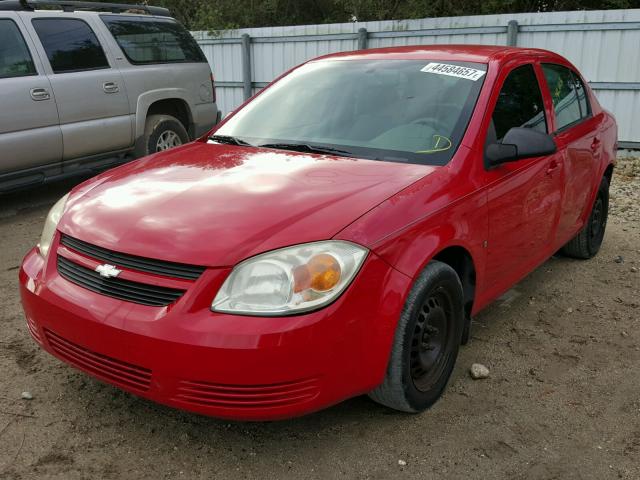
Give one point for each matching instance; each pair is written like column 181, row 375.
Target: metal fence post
column 246, row 66
column 363, row 39
column 512, row 33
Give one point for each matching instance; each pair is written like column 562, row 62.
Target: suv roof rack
column 72, row 6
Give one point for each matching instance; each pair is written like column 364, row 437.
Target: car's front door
column 523, row 196
column 576, row 137
column 29, row 131
column 91, row 99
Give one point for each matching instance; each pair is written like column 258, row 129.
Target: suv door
column 29, row 131
column 523, row 196
column 576, row 137
column 92, row 102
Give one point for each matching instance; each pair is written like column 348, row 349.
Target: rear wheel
column 163, row 132
column 426, row 342
column 587, row 242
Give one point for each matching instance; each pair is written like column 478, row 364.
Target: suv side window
column 568, row 94
column 519, row 104
column 70, row 44
column 153, row 40
column 15, row 59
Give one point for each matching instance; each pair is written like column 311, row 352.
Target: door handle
column 39, row 94
column 595, row 144
column 553, row 166
column 110, row 87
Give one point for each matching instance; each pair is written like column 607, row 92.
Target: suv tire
column 426, row 342
column 162, row 132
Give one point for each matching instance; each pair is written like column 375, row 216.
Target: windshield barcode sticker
column 454, row 71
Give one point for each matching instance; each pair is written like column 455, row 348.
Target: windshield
column 413, row 111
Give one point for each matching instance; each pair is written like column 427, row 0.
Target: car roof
column 461, row 53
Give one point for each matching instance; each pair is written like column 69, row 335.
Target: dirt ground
column 562, row 400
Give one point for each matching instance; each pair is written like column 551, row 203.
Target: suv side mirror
column 520, row 143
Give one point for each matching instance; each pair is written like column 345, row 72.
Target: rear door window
column 70, row 44
column 570, row 103
column 519, row 104
column 15, row 59
column 153, row 40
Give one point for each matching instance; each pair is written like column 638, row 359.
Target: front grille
column 115, row 371
column 135, row 292
column 247, row 396
column 142, row 264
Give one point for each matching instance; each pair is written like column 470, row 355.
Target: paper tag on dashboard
column 454, row 71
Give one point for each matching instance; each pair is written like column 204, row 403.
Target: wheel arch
column 171, row 101
column 608, row 172
column 461, row 260
column 176, row 108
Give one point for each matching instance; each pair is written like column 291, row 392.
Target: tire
column 587, row 242
column 422, row 358
column 161, row 133
column 466, row 331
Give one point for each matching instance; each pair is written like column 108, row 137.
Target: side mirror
column 520, row 143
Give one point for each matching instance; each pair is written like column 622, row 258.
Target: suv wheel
column 426, row 342
column 163, row 132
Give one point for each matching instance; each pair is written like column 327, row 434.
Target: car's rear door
column 30, row 135
column 523, row 196
column 90, row 94
column 576, row 136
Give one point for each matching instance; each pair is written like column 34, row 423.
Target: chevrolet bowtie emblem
column 108, row 271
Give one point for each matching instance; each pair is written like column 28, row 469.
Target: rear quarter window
column 153, row 40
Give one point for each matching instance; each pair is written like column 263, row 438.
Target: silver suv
column 89, row 85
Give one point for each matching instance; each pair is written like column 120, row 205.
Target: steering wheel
column 429, row 122
column 450, row 110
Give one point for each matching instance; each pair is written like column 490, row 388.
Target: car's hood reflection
column 217, row 204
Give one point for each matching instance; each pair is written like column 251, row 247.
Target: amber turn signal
column 321, row 273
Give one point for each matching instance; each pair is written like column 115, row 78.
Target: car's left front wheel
column 426, row 341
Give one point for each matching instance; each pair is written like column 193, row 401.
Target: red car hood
column 215, row 205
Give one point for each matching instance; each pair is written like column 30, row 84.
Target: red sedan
column 331, row 238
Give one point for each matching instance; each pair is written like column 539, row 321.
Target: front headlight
column 50, row 225
column 290, row 280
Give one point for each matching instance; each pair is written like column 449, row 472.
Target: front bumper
column 229, row 366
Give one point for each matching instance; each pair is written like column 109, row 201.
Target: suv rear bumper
column 205, row 117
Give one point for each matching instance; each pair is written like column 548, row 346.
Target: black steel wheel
column 588, row 241
column 426, row 342
column 597, row 223
column 432, row 336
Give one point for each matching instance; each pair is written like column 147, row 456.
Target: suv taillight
column 213, row 88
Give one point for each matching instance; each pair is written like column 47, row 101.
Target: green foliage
column 226, row 14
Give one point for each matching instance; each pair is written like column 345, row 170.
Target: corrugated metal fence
column 603, row 44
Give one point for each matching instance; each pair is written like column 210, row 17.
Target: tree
column 227, row 14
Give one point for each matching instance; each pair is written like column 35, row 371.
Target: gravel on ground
column 562, row 400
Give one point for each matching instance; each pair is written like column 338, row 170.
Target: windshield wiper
column 297, row 147
column 303, row 147
column 228, row 139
